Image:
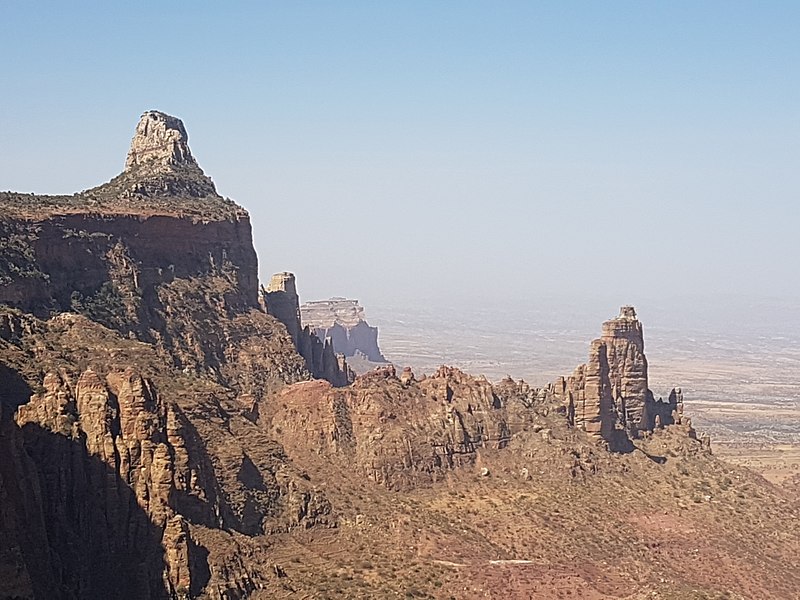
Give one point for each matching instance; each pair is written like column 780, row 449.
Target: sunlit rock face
column 609, row 396
column 160, row 141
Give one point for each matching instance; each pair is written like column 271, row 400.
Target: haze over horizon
column 453, row 152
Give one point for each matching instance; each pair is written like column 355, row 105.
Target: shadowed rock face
column 282, row 302
column 155, row 446
column 155, row 254
column 627, row 369
column 109, row 478
column 109, row 469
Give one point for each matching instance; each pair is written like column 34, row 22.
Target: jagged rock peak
column 160, row 164
column 160, row 141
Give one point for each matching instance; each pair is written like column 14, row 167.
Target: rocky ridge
column 400, row 430
column 174, row 290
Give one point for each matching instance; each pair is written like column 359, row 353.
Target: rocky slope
column 162, row 436
column 157, row 255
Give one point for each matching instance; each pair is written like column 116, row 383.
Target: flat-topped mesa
column 609, row 396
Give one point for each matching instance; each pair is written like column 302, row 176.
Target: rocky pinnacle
column 160, row 163
column 160, row 141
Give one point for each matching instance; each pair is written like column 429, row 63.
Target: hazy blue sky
column 469, row 149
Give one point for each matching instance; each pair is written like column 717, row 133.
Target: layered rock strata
column 608, row 397
column 160, row 434
column 342, row 321
column 115, row 476
column 172, row 266
column 158, row 255
column 399, row 429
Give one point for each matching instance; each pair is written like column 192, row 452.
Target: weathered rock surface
column 125, row 475
column 281, row 300
column 400, row 431
column 174, row 268
column 160, row 143
column 134, row 437
column 159, row 162
column 161, row 437
column 342, row 321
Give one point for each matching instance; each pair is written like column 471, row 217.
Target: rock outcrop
column 342, row 321
column 401, row 431
column 155, row 254
column 609, row 397
column 159, row 144
column 398, row 431
column 281, row 300
column 120, row 477
column 159, row 161
column 120, row 465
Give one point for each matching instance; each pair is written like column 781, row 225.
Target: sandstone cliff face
column 159, row 144
column 136, row 457
column 608, row 397
column 121, row 477
column 156, row 254
column 401, row 431
column 106, row 494
column 281, row 300
column 160, row 435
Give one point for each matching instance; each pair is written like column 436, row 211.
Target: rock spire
column 609, row 396
column 160, row 163
column 160, row 141
column 280, row 300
